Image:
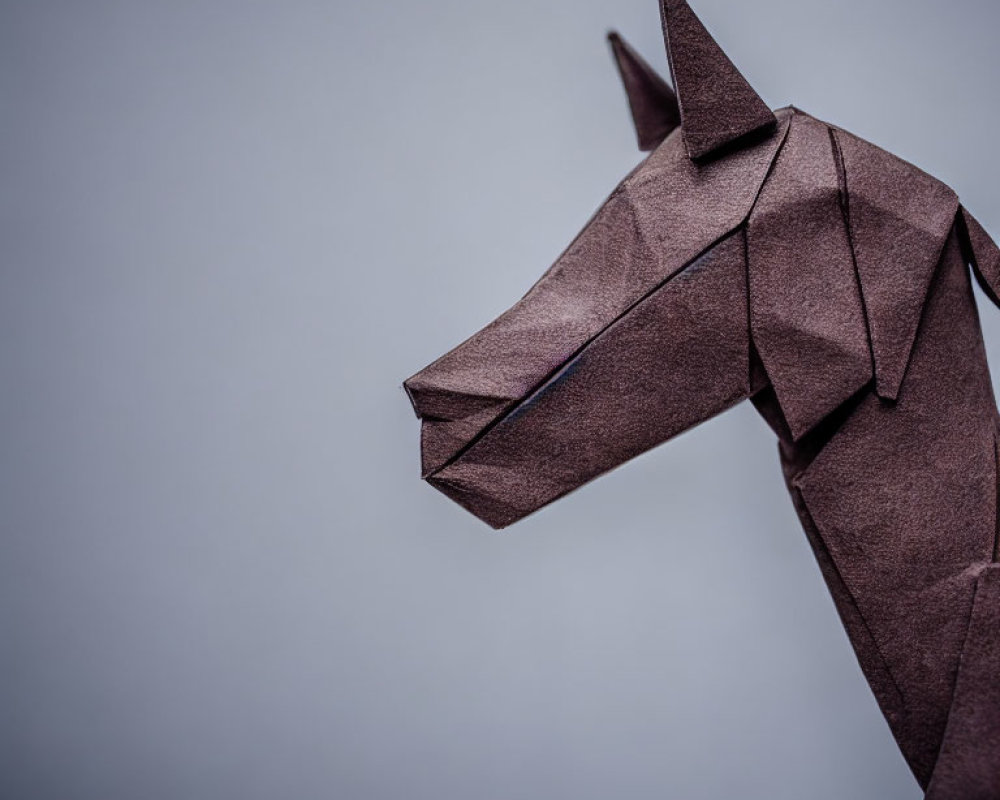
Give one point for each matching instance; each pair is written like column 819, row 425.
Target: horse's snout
column 451, row 417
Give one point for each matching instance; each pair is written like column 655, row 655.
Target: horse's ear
column 718, row 106
column 654, row 105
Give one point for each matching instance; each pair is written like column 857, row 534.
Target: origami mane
column 771, row 256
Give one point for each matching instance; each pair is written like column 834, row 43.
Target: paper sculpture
column 771, row 256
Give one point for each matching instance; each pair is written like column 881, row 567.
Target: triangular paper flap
column 900, row 218
column 653, row 103
column 718, row 106
column 983, row 254
column 806, row 314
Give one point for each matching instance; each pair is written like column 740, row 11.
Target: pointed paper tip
column 653, row 103
column 719, row 108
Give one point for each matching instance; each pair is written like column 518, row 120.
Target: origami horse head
column 771, row 256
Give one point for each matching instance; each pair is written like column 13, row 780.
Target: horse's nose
column 452, row 418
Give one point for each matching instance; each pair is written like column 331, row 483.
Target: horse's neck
column 900, row 502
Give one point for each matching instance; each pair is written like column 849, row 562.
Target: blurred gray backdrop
column 229, row 230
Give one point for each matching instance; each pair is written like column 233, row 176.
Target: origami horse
column 771, row 256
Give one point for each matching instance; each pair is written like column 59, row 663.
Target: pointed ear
column 654, row 105
column 718, row 106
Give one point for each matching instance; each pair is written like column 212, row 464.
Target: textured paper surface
column 718, row 106
column 774, row 257
column 968, row 765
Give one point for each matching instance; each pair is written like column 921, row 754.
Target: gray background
column 228, row 231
